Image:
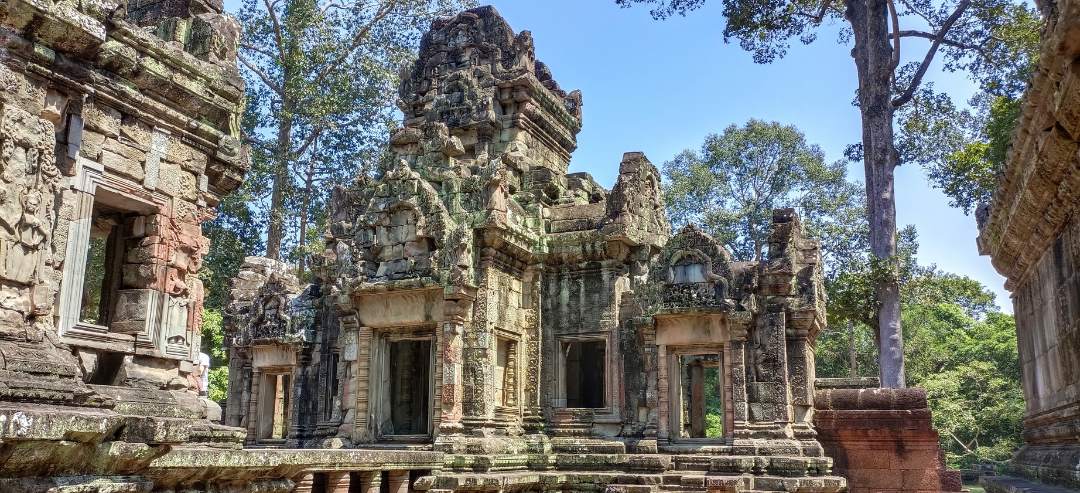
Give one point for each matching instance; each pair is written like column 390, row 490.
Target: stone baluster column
column 337, row 482
column 399, row 481
column 304, row 482
column 370, row 481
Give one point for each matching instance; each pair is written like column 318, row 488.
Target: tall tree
column 731, row 186
column 963, row 34
column 323, row 70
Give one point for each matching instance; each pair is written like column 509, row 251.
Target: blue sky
column 661, row 86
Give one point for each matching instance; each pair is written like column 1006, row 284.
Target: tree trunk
column 276, row 229
column 853, row 355
column 873, row 61
column 309, row 184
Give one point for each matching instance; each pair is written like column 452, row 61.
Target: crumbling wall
column 882, row 440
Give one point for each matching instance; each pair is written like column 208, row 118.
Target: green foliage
column 213, row 344
column 957, row 346
column 218, row 390
column 322, row 79
column 213, row 337
column 971, row 372
column 964, row 149
column 731, row 186
column 234, row 233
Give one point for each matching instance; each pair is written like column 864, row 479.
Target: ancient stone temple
column 480, row 320
column 536, row 330
column 1031, row 231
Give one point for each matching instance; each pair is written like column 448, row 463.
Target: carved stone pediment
column 402, row 228
column 695, row 270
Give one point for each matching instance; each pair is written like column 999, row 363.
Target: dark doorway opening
column 584, row 373
column 108, row 368
column 410, row 374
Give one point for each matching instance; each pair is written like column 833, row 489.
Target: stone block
column 92, row 144
column 188, row 186
column 53, row 110
column 122, row 165
column 102, row 119
column 142, row 276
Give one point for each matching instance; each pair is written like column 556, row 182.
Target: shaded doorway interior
column 583, row 373
column 404, row 396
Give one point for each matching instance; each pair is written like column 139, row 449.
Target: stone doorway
column 404, row 394
column 583, row 372
column 274, row 405
column 701, row 395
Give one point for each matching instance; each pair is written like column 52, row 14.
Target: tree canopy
column 322, row 75
column 731, row 186
column 980, row 37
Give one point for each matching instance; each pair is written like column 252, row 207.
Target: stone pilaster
column 478, row 376
column 453, row 328
column 532, row 409
column 768, row 393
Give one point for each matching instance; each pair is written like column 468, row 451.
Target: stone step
column 660, row 463
column 1013, row 484
column 619, row 482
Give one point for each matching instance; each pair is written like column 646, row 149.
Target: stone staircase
column 597, row 465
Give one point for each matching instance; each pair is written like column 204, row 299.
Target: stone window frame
column 515, row 346
column 378, row 343
column 609, row 409
column 89, row 183
column 671, row 393
column 693, row 254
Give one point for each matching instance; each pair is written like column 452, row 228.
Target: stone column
column 532, row 410
column 304, row 482
column 370, row 481
column 362, row 428
column 740, row 415
column 801, row 380
column 399, row 481
column 478, row 375
column 253, row 407
column 453, row 328
column 663, row 399
column 337, row 482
